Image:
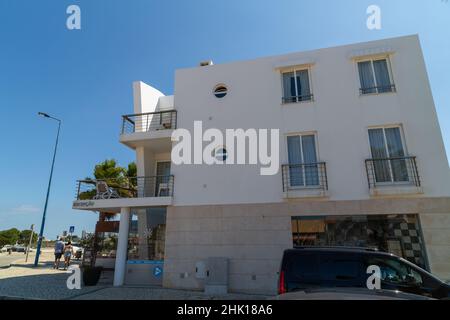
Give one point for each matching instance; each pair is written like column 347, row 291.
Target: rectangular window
column 369, row 231
column 296, row 86
column 374, row 76
column 302, row 156
column 388, row 155
column 147, row 230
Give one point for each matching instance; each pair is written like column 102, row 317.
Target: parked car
column 349, row 294
column 19, row 248
column 77, row 252
column 5, row 248
column 305, row 268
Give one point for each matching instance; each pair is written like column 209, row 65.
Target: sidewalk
column 24, row 281
column 6, row 259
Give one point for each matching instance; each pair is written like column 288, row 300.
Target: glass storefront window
column 399, row 234
column 147, row 234
column 106, row 244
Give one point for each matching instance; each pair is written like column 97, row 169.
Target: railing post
column 416, row 172
column 78, row 191
column 367, row 172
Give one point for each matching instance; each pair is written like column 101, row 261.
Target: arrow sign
column 157, row 271
column 72, row 229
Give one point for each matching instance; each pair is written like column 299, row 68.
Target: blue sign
column 157, row 271
column 71, row 229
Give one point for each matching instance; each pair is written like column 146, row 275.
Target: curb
column 17, row 298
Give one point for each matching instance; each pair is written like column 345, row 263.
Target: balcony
column 377, row 90
column 109, row 195
column 392, row 176
column 295, row 99
column 151, row 129
column 304, row 180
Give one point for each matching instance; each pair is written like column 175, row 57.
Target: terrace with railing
column 392, row 171
column 149, row 121
column 126, row 187
column 304, row 176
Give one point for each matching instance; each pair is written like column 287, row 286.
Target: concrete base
column 216, row 289
column 254, row 236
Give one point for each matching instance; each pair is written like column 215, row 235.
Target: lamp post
column 41, row 233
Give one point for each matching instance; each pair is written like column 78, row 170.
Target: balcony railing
column 392, row 171
column 136, row 187
column 150, row 121
column 378, row 89
column 304, row 176
column 293, row 99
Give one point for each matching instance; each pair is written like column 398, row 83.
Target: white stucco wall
column 145, row 97
column 338, row 114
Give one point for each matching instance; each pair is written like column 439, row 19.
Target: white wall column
column 122, row 247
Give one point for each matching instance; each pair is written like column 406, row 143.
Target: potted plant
column 91, row 275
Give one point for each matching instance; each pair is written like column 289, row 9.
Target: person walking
column 68, row 251
column 59, row 249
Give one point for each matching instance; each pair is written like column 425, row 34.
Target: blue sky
column 84, row 77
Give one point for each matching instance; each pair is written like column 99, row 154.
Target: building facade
column 362, row 163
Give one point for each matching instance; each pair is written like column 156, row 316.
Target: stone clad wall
column 254, row 237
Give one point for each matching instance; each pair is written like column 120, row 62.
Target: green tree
column 108, row 169
column 24, row 237
column 114, row 176
column 132, row 170
column 10, row 236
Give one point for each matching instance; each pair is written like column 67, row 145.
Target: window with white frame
column 375, row 76
column 296, row 86
column 302, row 156
column 390, row 163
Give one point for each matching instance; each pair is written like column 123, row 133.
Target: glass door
column 162, row 186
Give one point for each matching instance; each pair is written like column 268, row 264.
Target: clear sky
column 84, row 77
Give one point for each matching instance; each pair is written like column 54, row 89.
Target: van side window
column 336, row 268
column 394, row 271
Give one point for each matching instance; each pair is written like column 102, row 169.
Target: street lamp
column 41, row 233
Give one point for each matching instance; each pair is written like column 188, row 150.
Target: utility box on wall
column 200, row 270
column 216, row 281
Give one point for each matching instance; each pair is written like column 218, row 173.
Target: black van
column 327, row 267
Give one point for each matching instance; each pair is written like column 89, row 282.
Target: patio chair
column 104, row 191
column 163, row 187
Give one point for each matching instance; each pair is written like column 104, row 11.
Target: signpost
column 71, row 231
column 29, row 244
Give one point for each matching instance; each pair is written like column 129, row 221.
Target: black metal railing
column 378, row 89
column 398, row 170
column 135, row 187
column 304, row 176
column 293, row 99
column 150, row 121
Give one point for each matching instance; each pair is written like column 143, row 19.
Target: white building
column 362, row 163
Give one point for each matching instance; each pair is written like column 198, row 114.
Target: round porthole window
column 221, row 154
column 220, row 91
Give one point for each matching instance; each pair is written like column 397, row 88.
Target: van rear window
column 303, row 267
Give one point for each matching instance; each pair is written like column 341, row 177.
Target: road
column 6, row 259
